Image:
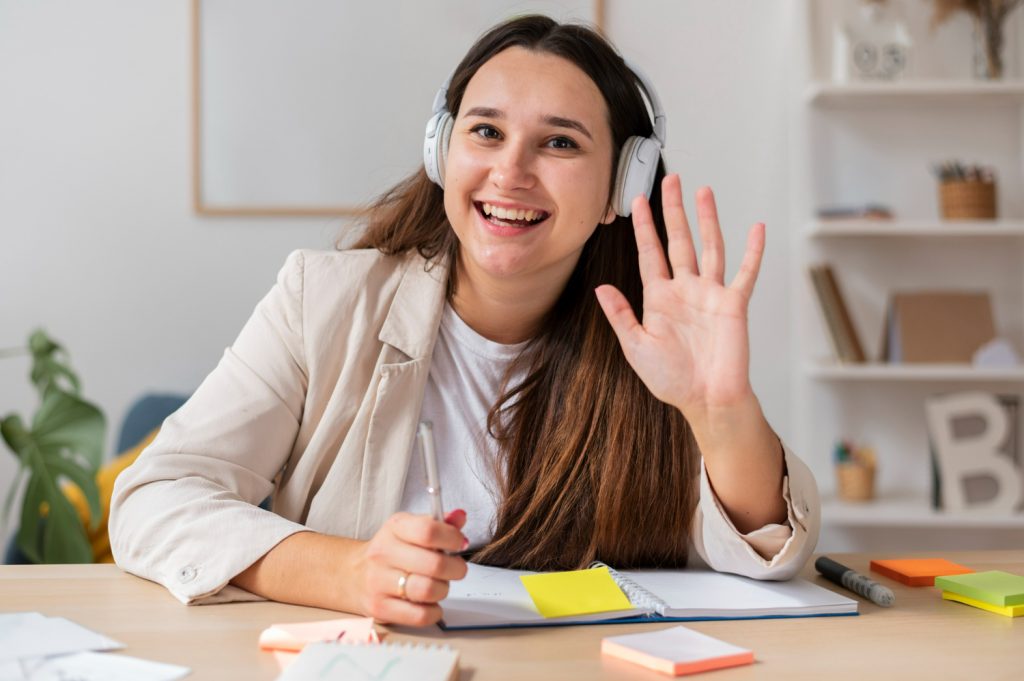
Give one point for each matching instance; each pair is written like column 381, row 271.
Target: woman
column 590, row 403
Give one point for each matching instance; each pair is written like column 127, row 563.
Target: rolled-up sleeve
column 774, row 551
column 186, row 513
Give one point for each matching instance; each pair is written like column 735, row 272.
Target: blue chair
column 145, row 414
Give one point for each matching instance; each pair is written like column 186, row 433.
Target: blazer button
column 186, row 574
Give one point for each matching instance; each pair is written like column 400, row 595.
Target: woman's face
column 529, row 168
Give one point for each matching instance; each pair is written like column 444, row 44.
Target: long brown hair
column 593, row 466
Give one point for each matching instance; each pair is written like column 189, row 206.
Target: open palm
column 691, row 348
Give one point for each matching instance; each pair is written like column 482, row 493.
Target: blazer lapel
column 410, row 330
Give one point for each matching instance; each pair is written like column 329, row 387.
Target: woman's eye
column 486, row 131
column 563, row 143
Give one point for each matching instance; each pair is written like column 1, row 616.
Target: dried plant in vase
column 989, row 18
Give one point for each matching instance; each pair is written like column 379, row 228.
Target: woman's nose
column 513, row 168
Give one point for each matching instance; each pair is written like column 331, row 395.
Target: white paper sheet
column 31, row 635
column 89, row 666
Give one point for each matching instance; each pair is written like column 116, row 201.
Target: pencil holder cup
column 855, row 481
column 968, row 200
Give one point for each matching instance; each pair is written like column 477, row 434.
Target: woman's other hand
column 691, row 349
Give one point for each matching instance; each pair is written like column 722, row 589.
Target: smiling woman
column 590, row 396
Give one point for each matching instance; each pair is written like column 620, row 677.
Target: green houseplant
column 62, row 444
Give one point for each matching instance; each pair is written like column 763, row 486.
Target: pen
column 855, row 582
column 426, row 437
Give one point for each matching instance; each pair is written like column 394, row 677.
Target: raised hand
column 691, row 349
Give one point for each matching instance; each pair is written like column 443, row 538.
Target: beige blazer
column 317, row 403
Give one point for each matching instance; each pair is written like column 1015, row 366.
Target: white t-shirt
column 465, row 377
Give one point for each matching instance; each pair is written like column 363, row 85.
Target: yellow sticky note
column 578, row 592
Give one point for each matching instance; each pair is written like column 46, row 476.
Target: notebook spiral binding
column 637, row 595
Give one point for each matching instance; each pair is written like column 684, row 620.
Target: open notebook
column 495, row 597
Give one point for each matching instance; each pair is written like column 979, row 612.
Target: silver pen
column 426, row 437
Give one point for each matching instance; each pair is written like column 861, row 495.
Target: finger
column 399, row 611
column 456, row 518
column 648, row 247
column 751, row 265
column 424, row 531
column 416, row 559
column 620, row 315
column 423, row 589
column 680, row 242
column 418, row 588
column 712, row 258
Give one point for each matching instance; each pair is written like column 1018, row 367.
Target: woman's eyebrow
column 556, row 121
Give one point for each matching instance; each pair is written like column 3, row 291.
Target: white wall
column 99, row 245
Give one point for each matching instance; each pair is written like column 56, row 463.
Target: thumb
column 620, row 315
column 456, row 518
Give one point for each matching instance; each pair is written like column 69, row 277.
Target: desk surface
column 921, row 637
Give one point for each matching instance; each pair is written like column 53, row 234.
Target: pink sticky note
column 294, row 636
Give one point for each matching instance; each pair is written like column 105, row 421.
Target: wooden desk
column 921, row 637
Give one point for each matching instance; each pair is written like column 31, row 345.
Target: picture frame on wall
column 298, row 112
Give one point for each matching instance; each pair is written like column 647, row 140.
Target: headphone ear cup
column 435, row 146
column 638, row 164
column 447, row 124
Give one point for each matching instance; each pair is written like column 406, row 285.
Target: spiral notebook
column 495, row 597
column 380, row 661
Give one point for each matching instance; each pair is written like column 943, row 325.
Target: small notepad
column 1007, row 610
column 576, row 592
column 994, row 587
column 294, row 636
column 390, row 661
column 918, row 571
column 676, row 651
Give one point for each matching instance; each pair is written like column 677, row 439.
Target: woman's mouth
column 506, row 218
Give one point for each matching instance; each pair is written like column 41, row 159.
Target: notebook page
column 702, row 593
column 490, row 596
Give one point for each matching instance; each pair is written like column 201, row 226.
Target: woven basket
column 855, row 481
column 968, row 200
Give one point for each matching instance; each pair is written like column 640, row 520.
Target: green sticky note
column 578, row 592
column 995, row 587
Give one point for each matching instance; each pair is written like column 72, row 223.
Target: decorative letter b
column 961, row 458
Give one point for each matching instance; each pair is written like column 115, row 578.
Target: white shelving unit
column 878, row 371
column 892, row 229
column 862, row 143
column 914, row 93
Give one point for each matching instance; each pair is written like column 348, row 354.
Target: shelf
column 906, row 509
column 917, row 228
column 915, row 92
column 913, row 372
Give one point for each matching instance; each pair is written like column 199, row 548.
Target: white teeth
column 511, row 213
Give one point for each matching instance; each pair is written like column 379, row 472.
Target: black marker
column 857, row 583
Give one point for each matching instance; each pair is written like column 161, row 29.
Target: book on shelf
column 937, row 326
column 841, row 329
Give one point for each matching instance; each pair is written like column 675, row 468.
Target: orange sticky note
column 676, row 651
column 918, row 571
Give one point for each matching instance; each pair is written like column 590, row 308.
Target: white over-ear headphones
column 638, row 160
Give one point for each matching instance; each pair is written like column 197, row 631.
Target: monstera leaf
column 63, row 445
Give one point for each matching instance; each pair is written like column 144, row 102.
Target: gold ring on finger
column 403, row 581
